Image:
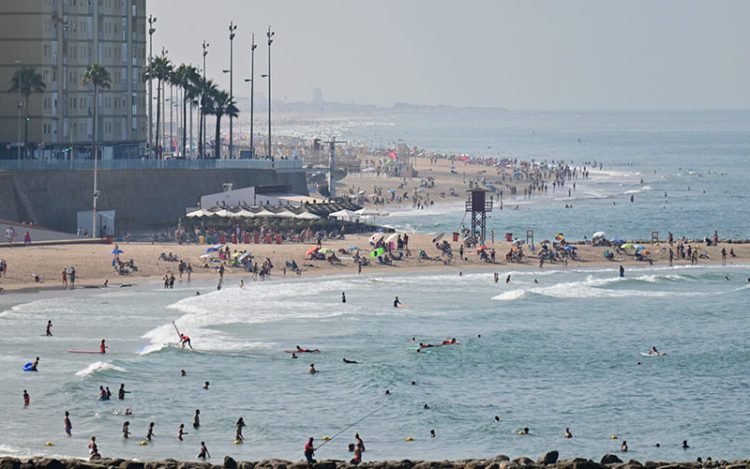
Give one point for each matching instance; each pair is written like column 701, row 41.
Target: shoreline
column 548, row 460
column 93, row 262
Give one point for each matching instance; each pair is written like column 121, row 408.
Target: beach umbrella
column 392, row 237
column 213, row 248
column 618, row 242
column 352, row 248
column 627, row 246
column 312, row 250
column 376, row 237
column 438, row 237
column 205, row 256
column 559, row 236
column 370, row 212
column 570, row 248
column 244, row 255
column 343, row 215
column 264, row 213
column 599, row 234
column 117, row 251
column 325, row 250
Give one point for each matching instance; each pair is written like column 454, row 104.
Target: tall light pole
column 269, row 35
column 232, row 29
column 202, row 130
column 161, row 138
column 19, row 82
column 253, row 46
column 151, row 31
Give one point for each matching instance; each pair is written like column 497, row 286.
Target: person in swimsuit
column 312, row 369
column 239, row 426
column 49, row 328
column 126, row 429
column 35, row 365
column 26, row 399
column 150, row 431
column 197, row 419
column 103, row 347
column 204, row 451
column 568, row 434
column 68, row 425
column 94, row 449
column 181, row 432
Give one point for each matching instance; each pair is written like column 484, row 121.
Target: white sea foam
column 97, row 367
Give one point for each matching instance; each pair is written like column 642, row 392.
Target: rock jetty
column 547, row 461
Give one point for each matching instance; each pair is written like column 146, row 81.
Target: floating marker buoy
column 520, row 432
column 326, row 438
column 143, row 443
column 409, row 438
column 613, row 437
column 49, row 443
column 237, row 442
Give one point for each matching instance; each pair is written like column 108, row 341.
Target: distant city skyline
column 578, row 54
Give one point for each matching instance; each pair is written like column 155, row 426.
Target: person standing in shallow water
column 68, row 425
column 622, row 271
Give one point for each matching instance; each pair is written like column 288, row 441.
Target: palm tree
column 185, row 77
column 99, row 77
column 206, row 89
column 222, row 105
column 29, row 81
column 160, row 69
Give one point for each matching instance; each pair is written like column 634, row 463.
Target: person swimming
column 205, row 385
column 312, row 369
column 568, row 434
column 350, row 361
column 307, row 350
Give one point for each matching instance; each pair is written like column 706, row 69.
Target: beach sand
column 93, row 262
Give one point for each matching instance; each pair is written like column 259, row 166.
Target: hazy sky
column 522, row 54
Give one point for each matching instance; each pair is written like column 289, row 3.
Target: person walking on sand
column 64, row 276
column 72, row 277
column 68, row 425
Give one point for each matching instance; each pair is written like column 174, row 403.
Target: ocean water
column 558, row 348
column 563, row 352
column 698, row 159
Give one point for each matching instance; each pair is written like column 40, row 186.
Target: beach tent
column 392, row 237
column 223, row 213
column 200, row 213
column 344, row 215
column 370, row 212
column 307, row 216
column 285, row 213
column 244, row 213
column 265, row 214
column 599, row 234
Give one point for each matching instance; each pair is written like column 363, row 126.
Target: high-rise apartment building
column 60, row 38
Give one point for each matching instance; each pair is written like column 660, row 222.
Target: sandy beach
column 93, row 262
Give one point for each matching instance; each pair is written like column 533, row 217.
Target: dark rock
column 632, row 464
column 27, row 465
column 246, row 465
column 129, row 465
column 230, row 463
column 580, row 463
column 549, row 457
column 272, row 464
column 509, row 465
column 611, row 459
column 10, row 463
column 676, row 466
column 475, row 464
column 324, row 465
column 501, row 458
column 523, row 461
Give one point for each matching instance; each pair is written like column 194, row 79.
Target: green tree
column 206, row 90
column 185, row 77
column 222, row 105
column 160, row 69
column 29, row 81
column 97, row 76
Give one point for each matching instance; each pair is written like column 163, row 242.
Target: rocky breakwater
column 548, row 461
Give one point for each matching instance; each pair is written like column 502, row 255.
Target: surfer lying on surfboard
column 303, row 350
column 653, row 353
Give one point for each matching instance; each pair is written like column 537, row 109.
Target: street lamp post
column 232, row 29
column 253, row 46
column 19, row 82
column 202, row 130
column 269, row 35
column 151, row 31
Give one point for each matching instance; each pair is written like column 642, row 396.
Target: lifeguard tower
column 479, row 205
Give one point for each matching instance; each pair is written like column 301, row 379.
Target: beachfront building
column 59, row 39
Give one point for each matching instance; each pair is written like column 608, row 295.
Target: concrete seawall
column 142, row 199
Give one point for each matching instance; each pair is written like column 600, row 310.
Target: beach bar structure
column 478, row 205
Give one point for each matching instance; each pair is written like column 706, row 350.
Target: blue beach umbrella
column 117, row 251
